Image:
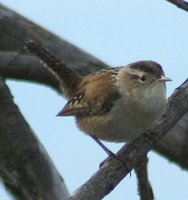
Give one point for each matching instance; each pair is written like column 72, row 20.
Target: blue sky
column 117, row 32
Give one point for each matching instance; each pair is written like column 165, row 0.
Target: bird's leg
column 110, row 153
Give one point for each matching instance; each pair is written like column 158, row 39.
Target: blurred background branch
column 180, row 4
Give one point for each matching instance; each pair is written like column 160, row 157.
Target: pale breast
column 122, row 124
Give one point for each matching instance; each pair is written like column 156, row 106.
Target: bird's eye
column 142, row 78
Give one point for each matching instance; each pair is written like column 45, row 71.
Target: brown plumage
column 116, row 104
column 67, row 77
column 95, row 95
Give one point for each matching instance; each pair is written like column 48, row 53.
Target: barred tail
column 68, row 78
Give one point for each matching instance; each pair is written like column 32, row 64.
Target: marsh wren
column 116, row 104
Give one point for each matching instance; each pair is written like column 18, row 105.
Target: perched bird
column 116, row 104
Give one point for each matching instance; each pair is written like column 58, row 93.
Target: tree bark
column 25, row 166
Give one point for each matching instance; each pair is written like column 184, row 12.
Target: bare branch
column 180, row 4
column 144, row 187
column 174, row 144
column 25, row 67
column 15, row 30
column 113, row 171
column 25, row 166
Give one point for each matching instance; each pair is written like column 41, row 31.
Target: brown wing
column 96, row 95
column 75, row 106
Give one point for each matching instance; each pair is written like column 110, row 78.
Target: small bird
column 116, row 104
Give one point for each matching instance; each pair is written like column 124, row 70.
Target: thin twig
column 180, row 4
column 144, row 187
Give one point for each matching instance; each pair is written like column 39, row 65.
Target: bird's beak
column 164, row 79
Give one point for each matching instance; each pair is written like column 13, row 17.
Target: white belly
column 121, row 124
column 127, row 120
